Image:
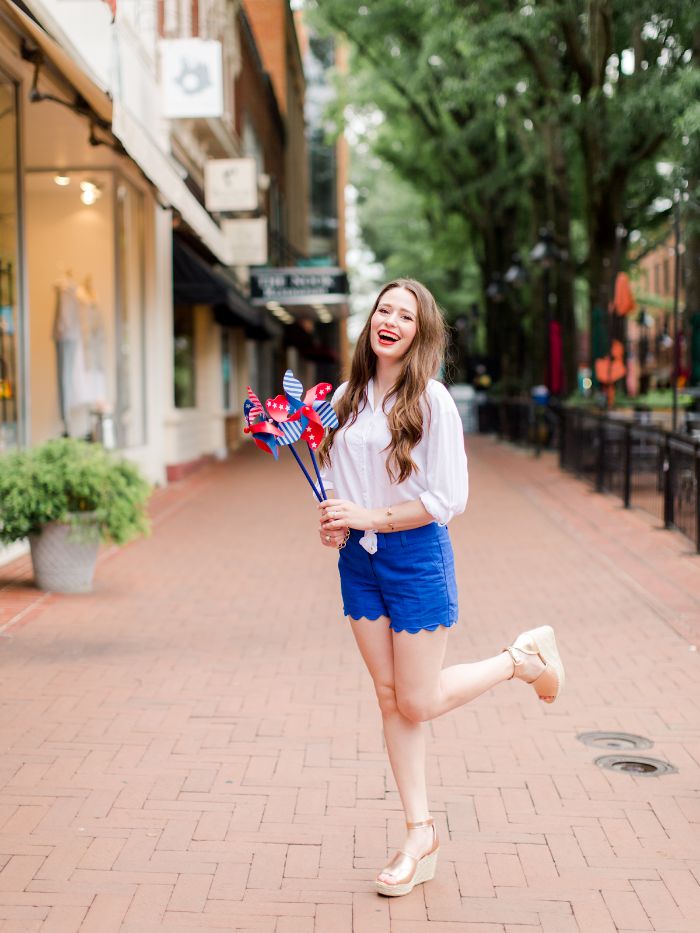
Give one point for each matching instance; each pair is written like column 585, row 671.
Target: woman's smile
column 393, row 324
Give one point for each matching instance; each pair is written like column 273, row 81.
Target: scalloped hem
column 408, row 628
column 363, row 616
column 425, row 628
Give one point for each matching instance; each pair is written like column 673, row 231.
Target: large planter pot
column 64, row 557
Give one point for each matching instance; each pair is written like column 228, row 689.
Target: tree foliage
column 498, row 119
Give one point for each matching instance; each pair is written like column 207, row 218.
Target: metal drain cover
column 621, row 740
column 635, row 764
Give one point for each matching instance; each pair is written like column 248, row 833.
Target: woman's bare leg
column 426, row 690
column 405, row 740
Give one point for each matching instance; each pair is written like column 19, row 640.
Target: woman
column 398, row 469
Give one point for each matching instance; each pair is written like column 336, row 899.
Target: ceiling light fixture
column 90, row 192
column 61, row 180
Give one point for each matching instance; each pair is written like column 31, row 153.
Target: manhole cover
column 621, row 740
column 635, row 764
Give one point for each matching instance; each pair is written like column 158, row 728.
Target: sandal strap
column 414, row 858
column 428, row 822
column 517, row 662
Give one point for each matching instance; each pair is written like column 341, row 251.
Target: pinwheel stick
column 318, row 474
column 306, row 473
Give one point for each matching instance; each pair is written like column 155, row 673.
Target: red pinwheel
column 265, row 433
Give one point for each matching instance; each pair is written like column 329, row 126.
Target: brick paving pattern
column 196, row 745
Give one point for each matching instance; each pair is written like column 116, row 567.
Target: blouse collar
column 370, row 398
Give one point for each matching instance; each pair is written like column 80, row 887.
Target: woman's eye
column 383, row 310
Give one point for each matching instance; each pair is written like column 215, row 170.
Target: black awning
column 195, row 282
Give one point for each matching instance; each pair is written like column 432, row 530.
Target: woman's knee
column 414, row 707
column 386, row 697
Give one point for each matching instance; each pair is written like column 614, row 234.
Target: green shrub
column 64, row 479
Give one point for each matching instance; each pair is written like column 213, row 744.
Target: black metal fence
column 642, row 464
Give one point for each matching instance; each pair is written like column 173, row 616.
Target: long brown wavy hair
column 420, row 363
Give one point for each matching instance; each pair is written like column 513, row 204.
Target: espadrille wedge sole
column 408, row 869
column 541, row 641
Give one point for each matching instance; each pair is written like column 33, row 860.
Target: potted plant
column 67, row 496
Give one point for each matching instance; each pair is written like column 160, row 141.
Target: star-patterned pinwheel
column 265, row 433
column 288, row 418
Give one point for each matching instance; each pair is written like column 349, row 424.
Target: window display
column 86, row 272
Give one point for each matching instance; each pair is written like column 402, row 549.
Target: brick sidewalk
column 196, row 745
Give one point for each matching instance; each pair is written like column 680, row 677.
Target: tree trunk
column 561, row 207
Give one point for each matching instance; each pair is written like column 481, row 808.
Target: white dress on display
column 93, row 339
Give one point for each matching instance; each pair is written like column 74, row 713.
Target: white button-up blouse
column 358, row 459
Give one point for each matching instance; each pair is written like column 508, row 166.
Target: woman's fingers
column 332, row 509
column 336, row 535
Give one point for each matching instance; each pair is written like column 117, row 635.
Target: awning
column 195, row 282
column 71, row 67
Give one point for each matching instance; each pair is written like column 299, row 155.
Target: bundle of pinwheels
column 290, row 417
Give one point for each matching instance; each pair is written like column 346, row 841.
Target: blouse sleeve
column 447, row 479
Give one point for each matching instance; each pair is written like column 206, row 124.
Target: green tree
column 506, row 118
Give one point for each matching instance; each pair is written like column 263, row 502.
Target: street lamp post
column 676, row 303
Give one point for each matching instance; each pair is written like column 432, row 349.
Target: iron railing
column 642, row 464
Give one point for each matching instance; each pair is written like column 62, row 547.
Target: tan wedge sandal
column 408, row 869
column 540, row 641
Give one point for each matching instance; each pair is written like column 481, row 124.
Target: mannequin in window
column 67, row 338
column 93, row 336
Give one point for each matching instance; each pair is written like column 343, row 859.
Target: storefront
column 84, row 292
column 312, row 303
column 220, row 343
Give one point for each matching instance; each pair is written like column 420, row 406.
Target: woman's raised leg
column 426, row 690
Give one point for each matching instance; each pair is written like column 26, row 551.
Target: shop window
column 9, row 311
column 228, row 371
column 73, row 300
column 184, row 363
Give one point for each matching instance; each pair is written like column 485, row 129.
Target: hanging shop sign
column 231, row 185
column 293, row 286
column 191, row 78
column 247, row 239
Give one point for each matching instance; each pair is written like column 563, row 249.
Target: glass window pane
column 183, row 325
column 9, row 310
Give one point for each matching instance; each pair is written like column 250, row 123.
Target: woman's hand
column 332, row 538
column 339, row 514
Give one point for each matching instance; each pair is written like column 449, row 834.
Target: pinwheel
column 290, row 419
column 265, row 434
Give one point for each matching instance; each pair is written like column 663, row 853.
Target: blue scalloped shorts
column 411, row 579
